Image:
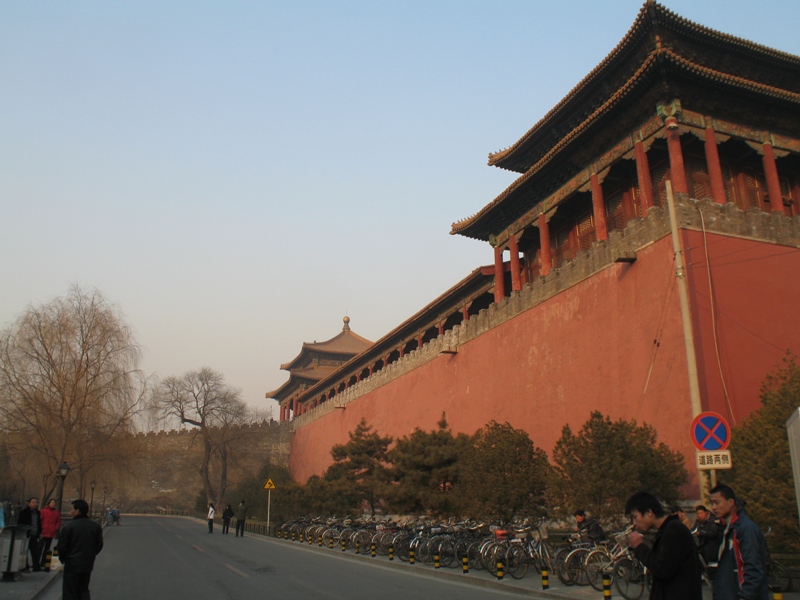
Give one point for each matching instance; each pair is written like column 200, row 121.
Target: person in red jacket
column 51, row 525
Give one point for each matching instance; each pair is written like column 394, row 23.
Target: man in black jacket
column 673, row 559
column 709, row 534
column 30, row 516
column 589, row 527
column 79, row 542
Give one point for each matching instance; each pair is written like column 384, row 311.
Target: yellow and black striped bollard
column 358, row 547
column 373, row 550
column 777, row 594
column 344, row 546
column 436, row 561
column 330, row 543
column 320, row 541
column 391, row 552
column 48, row 560
column 301, row 537
column 411, row 559
column 465, row 565
column 294, row 539
column 500, row 572
column 545, row 579
column 606, row 585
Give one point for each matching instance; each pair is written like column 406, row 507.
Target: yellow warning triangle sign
column 269, row 485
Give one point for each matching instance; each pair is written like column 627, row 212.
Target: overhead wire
column 714, row 329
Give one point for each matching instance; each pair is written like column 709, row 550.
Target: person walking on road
column 31, row 516
column 227, row 514
column 210, row 517
column 673, row 559
column 79, row 543
column 51, row 524
column 241, row 515
column 742, row 569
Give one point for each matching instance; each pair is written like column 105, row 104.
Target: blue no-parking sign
column 710, row 431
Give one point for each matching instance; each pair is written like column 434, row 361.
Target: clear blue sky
column 237, row 176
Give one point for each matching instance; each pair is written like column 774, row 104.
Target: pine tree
column 363, row 462
column 762, row 465
column 502, row 474
column 607, row 461
column 425, row 467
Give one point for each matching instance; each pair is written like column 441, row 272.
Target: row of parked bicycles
column 516, row 551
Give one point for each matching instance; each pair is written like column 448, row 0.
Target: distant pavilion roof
column 661, row 56
column 305, row 369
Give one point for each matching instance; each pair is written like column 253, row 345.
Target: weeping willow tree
column 70, row 387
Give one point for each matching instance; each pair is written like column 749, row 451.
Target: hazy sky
column 238, row 176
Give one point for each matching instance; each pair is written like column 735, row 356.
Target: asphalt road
column 175, row 558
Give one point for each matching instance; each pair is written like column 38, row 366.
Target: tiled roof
column 656, row 56
column 346, row 342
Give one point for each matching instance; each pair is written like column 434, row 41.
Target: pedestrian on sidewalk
column 227, row 514
column 51, row 524
column 31, row 516
column 79, row 543
column 673, row 560
column 241, row 515
column 210, row 517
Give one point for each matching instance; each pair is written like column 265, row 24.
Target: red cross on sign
column 710, row 431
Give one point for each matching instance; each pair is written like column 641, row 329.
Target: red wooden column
column 599, row 209
column 643, row 175
column 714, row 167
column 402, row 351
column 544, row 243
column 516, row 281
column 465, row 312
column 677, row 169
column 499, row 276
column 773, row 183
column 419, row 341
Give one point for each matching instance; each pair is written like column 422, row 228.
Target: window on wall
column 586, row 231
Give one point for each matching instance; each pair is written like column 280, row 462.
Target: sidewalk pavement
column 29, row 585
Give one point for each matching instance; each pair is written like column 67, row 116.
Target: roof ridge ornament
column 346, row 321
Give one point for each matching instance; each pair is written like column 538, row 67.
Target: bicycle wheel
column 629, row 579
column 517, row 561
column 778, row 577
column 474, row 556
column 575, row 566
column 596, row 564
column 559, row 562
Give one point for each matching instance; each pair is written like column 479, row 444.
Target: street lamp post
column 91, row 501
column 63, row 470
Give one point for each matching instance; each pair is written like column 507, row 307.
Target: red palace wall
column 592, row 347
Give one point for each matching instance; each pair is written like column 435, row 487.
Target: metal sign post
column 269, row 486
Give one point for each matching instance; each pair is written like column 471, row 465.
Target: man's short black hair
column 32, row 498
column 81, row 506
column 700, row 507
column 725, row 491
column 676, row 509
column 579, row 513
column 641, row 502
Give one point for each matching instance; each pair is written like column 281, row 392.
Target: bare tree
column 203, row 399
column 69, row 384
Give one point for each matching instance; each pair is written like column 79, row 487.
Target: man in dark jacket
column 241, row 515
column 742, row 570
column 673, row 559
column 31, row 516
column 708, row 533
column 79, row 542
column 589, row 527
